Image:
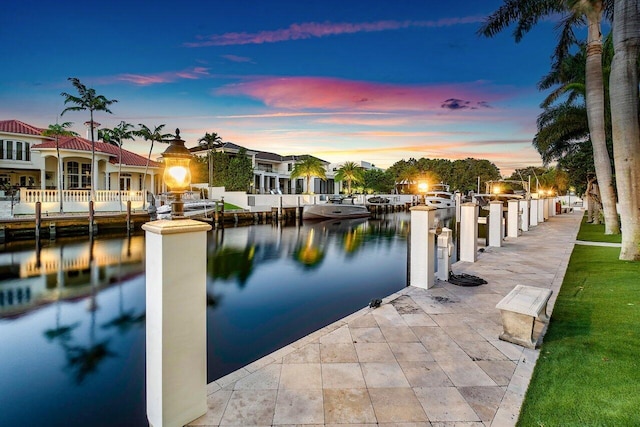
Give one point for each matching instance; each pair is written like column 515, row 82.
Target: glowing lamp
column 177, row 175
column 423, row 187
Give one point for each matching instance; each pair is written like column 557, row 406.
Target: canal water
column 72, row 313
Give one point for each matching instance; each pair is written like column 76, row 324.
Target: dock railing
column 77, row 200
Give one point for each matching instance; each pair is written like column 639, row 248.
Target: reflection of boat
column 335, row 208
column 440, row 197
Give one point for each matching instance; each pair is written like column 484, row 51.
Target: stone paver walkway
column 423, row 358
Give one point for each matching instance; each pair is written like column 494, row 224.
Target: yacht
column 336, row 208
column 440, row 197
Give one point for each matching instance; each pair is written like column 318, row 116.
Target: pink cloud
column 194, row 73
column 298, row 93
column 309, row 30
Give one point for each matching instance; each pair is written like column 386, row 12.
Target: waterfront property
column 29, row 163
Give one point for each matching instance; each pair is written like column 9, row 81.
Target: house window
column 18, row 150
column 5, row 180
column 1, row 149
column 78, row 175
column 9, row 151
column 27, row 151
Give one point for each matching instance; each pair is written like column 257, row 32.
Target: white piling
column 469, row 232
column 545, row 208
column 494, row 223
column 176, row 262
column 524, row 212
column 533, row 213
column 540, row 211
column 445, row 249
column 552, row 206
column 458, row 206
column 422, row 267
column 513, row 218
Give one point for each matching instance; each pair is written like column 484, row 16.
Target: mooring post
column 38, row 218
column 494, row 223
column 129, row 227
column 545, row 209
column 552, row 206
column 91, row 217
column 524, row 212
column 533, row 213
column 176, row 318
column 422, row 265
column 513, row 218
column 469, row 232
column 540, row 211
column 458, row 206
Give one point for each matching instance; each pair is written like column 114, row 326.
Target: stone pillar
column 43, row 179
column 533, row 217
column 494, row 223
column 545, row 209
column 552, row 206
column 540, row 211
column 469, row 232
column 176, row 259
column 422, row 267
column 458, row 206
column 524, row 211
column 445, row 248
column 513, row 218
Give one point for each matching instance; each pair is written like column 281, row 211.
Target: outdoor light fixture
column 177, row 175
column 422, row 189
column 495, row 190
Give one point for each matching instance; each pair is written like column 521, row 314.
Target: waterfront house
column 29, row 171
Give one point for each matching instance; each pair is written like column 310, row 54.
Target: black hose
column 465, row 280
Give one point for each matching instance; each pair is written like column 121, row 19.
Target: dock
column 425, row 357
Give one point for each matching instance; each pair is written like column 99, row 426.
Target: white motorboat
column 440, row 197
column 335, row 208
column 191, row 208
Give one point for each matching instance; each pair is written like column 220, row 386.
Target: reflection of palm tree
column 60, row 332
column 125, row 319
column 230, row 262
column 82, row 361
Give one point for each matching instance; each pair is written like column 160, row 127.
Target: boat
column 502, row 190
column 191, row 208
column 335, row 208
column 440, row 197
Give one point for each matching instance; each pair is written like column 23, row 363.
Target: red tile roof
column 80, row 144
column 16, row 126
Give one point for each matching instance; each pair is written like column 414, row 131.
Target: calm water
column 72, row 313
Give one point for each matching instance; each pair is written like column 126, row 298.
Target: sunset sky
column 370, row 80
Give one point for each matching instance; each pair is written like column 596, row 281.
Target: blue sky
column 369, row 80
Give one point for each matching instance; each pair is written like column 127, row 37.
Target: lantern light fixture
column 177, row 175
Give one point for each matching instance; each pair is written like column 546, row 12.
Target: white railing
column 77, row 201
column 78, row 196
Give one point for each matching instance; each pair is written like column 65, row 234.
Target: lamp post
column 176, row 315
column 177, row 175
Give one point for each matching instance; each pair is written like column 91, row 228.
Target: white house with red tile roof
column 29, row 161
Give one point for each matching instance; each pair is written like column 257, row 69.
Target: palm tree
column 87, row 100
column 210, row 141
column 116, row 136
column 307, row 167
column 409, row 174
column 154, row 136
column 527, row 13
column 624, row 118
column 57, row 131
column 350, row 172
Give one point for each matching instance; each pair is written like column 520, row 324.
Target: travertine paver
column 423, row 358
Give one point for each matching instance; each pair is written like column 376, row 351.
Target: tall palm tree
column 57, row 131
column 307, row 167
column 154, row 135
column 624, row 118
column 117, row 136
column 350, row 172
column 210, row 141
column 409, row 175
column 575, row 12
column 87, row 99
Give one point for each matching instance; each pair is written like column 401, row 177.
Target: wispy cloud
column 309, row 30
column 300, row 93
column 194, row 73
column 236, row 58
column 461, row 104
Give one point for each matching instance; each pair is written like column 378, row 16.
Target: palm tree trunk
column 94, row 174
column 119, row 174
column 624, row 116
column 595, row 114
column 144, row 178
column 60, row 177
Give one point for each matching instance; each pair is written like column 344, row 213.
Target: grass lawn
column 595, row 233
column 588, row 372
